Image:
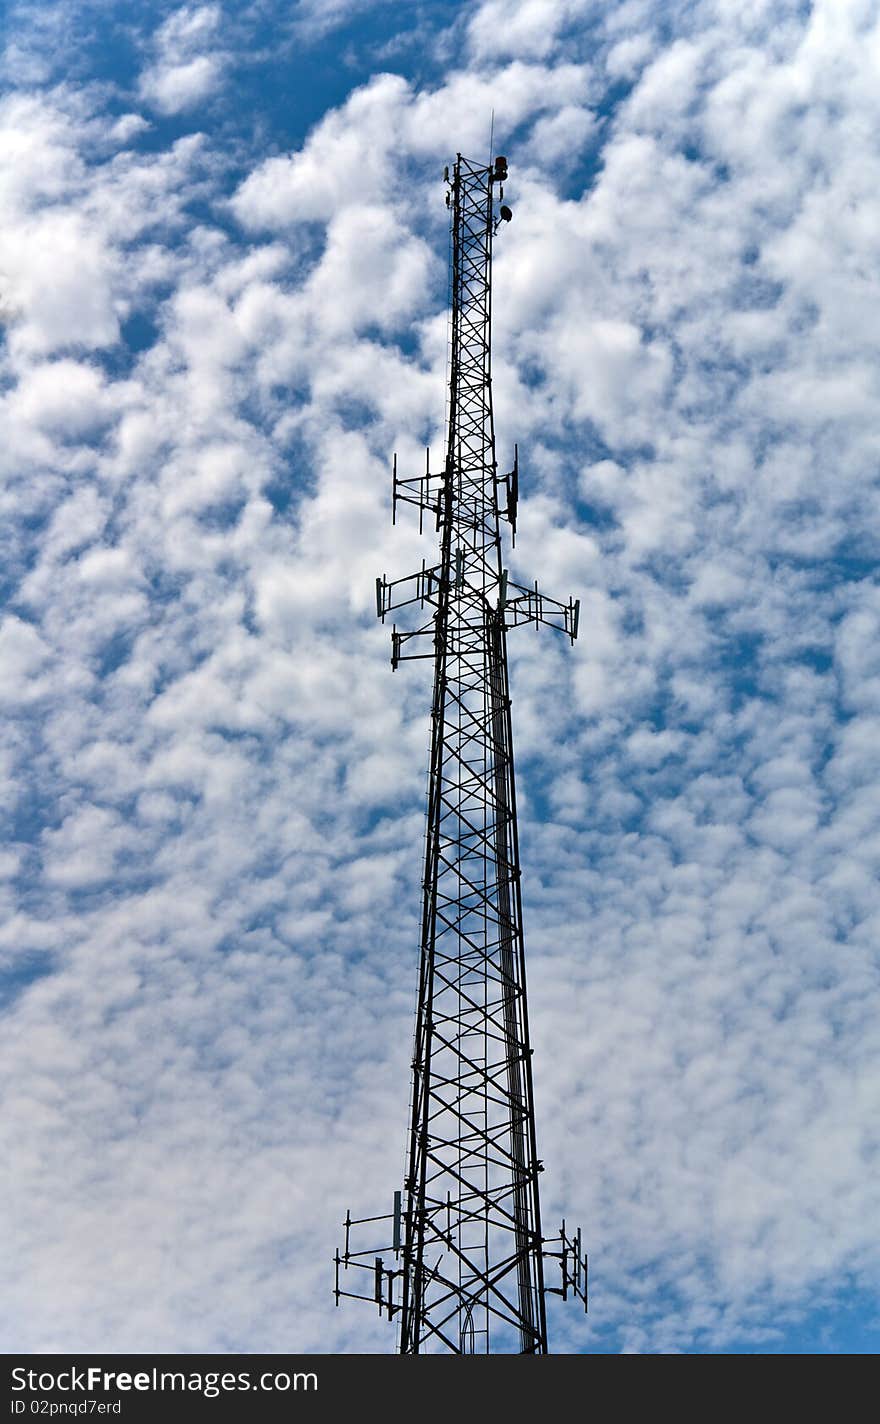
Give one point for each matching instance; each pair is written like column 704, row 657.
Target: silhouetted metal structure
column 463, row 1270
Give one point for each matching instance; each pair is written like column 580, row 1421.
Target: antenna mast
column 463, row 1272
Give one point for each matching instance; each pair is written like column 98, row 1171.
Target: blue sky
column 222, row 288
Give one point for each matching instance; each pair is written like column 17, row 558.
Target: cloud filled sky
column 223, row 279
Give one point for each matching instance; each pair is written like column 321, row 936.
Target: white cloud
column 174, row 88
column 507, row 28
column 188, row 67
column 23, row 655
column 66, row 398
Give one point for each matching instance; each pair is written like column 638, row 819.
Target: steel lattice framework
column 467, row 1242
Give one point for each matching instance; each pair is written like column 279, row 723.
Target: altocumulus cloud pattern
column 223, row 293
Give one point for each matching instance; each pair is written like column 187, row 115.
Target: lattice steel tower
column 467, row 1250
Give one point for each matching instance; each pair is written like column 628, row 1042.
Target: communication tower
column 461, row 1268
